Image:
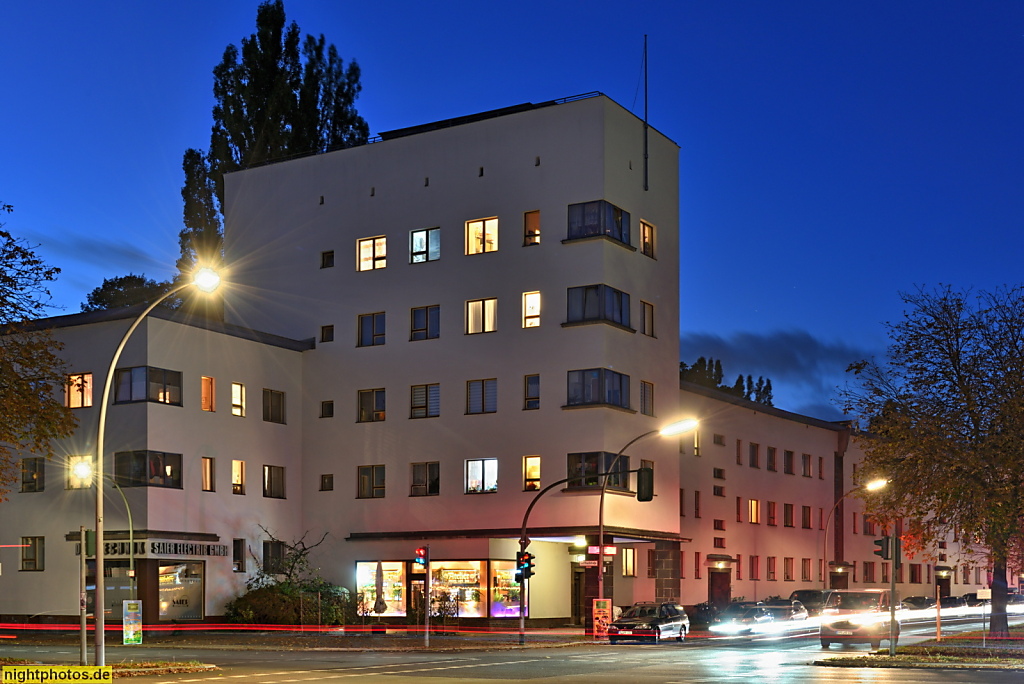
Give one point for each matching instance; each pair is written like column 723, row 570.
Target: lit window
column 237, row 399
column 594, row 303
column 482, row 236
column 32, row 553
column 598, row 218
column 424, row 245
column 628, row 562
column 598, row 386
column 372, row 329
column 481, row 316
column 531, row 309
column 426, row 479
column 371, row 482
column 425, row 401
column 373, row 253
column 754, row 511
column 482, row 396
column 209, row 481
column 531, row 473
column 78, row 390
column 144, row 383
column 33, row 474
column 647, row 398
column 531, row 392
column 371, row 405
column 238, row 477
column 481, row 475
column 147, row 469
column 273, row 406
column 426, row 323
column 647, row 239
column 273, row 482
column 207, row 385
column 531, row 228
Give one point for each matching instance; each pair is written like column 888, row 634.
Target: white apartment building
column 450, row 320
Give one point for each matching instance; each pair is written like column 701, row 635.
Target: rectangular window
column 238, row 555
column 482, row 236
column 805, row 569
column 371, row 329
column 482, row 396
column 238, row 477
column 647, row 319
column 787, row 515
column 739, row 509
column 696, row 564
column 915, row 573
column 327, row 482
column 371, row 482
column 531, row 309
column 327, row 409
column 78, row 390
column 426, row 479
column 755, row 567
column 754, row 511
column 754, row 455
column 33, row 474
column 647, row 398
column 594, row 303
column 806, row 465
column 868, row 571
column 531, row 392
column 424, row 245
column 682, row 503
column 425, row 401
column 739, row 566
column 372, row 407
column 787, row 462
column 718, row 440
column 273, row 406
column 718, row 542
column 589, row 219
column 273, row 482
column 719, row 524
column 696, row 503
column 237, row 399
column 652, row 563
column 597, row 386
column 718, row 490
column 788, row 569
column 771, row 569
column 628, row 562
column 773, row 513
column 426, row 323
column 586, row 468
column 144, row 383
column 531, row 473
column 373, row 253
column 273, row 557
column 327, row 259
column 821, row 467
column 32, row 553
column 207, row 393
column 718, row 473
column 481, row 316
column 805, row 517
column 209, row 479
column 326, row 333
column 147, row 469
column 481, row 475
column 771, row 463
column 531, row 228
column 646, row 239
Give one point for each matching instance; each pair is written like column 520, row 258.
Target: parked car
column 974, row 602
column 786, row 610
column 856, row 616
column 742, row 617
column 813, row 599
column 650, row 622
column 953, row 604
column 918, row 602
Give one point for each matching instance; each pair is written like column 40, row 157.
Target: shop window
column 393, row 581
column 78, row 390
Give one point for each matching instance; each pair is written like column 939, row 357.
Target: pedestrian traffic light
column 524, row 564
column 422, row 556
column 645, row 484
column 884, row 549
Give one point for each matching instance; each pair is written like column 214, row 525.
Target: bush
column 285, row 604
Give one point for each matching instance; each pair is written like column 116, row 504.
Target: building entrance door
column 719, row 588
column 579, row 599
column 839, row 580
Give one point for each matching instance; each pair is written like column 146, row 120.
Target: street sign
column 588, row 563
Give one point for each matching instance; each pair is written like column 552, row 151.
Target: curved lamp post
column 671, row 430
column 872, row 486
column 206, row 280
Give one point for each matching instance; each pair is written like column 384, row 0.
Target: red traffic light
column 422, row 555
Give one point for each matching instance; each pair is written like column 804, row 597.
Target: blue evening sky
column 833, row 154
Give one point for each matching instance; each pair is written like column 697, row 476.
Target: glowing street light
column 872, row 486
column 206, row 280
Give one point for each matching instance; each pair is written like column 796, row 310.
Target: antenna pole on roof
column 646, row 184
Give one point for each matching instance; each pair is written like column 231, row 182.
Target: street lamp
column 83, row 470
column 206, row 280
column 677, row 428
column 872, row 486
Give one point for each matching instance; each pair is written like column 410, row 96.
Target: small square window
column 718, row 490
column 718, row 440
column 327, row 409
column 326, row 333
column 327, row 482
column 327, row 259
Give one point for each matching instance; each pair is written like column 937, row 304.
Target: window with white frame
column 372, row 253
column 482, row 236
column 424, row 245
column 531, row 309
column 482, row 396
column 78, row 390
column 481, row 475
column 481, row 316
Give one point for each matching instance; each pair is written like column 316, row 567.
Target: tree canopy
column 708, row 373
column 943, row 418
column 124, row 291
column 30, row 367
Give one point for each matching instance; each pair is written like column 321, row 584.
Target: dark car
column 743, row 617
column 918, row 602
column 786, row 610
column 650, row 622
column 813, row 599
column 953, row 602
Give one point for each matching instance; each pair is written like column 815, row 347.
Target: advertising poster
column 132, row 612
column 602, row 617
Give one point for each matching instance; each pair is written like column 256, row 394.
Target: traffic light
column 422, row 556
column 645, row 484
column 519, row 567
column 897, row 553
column 524, row 564
column 884, row 549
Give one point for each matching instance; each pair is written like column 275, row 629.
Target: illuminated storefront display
column 504, row 589
column 181, row 591
column 463, row 582
column 394, row 587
